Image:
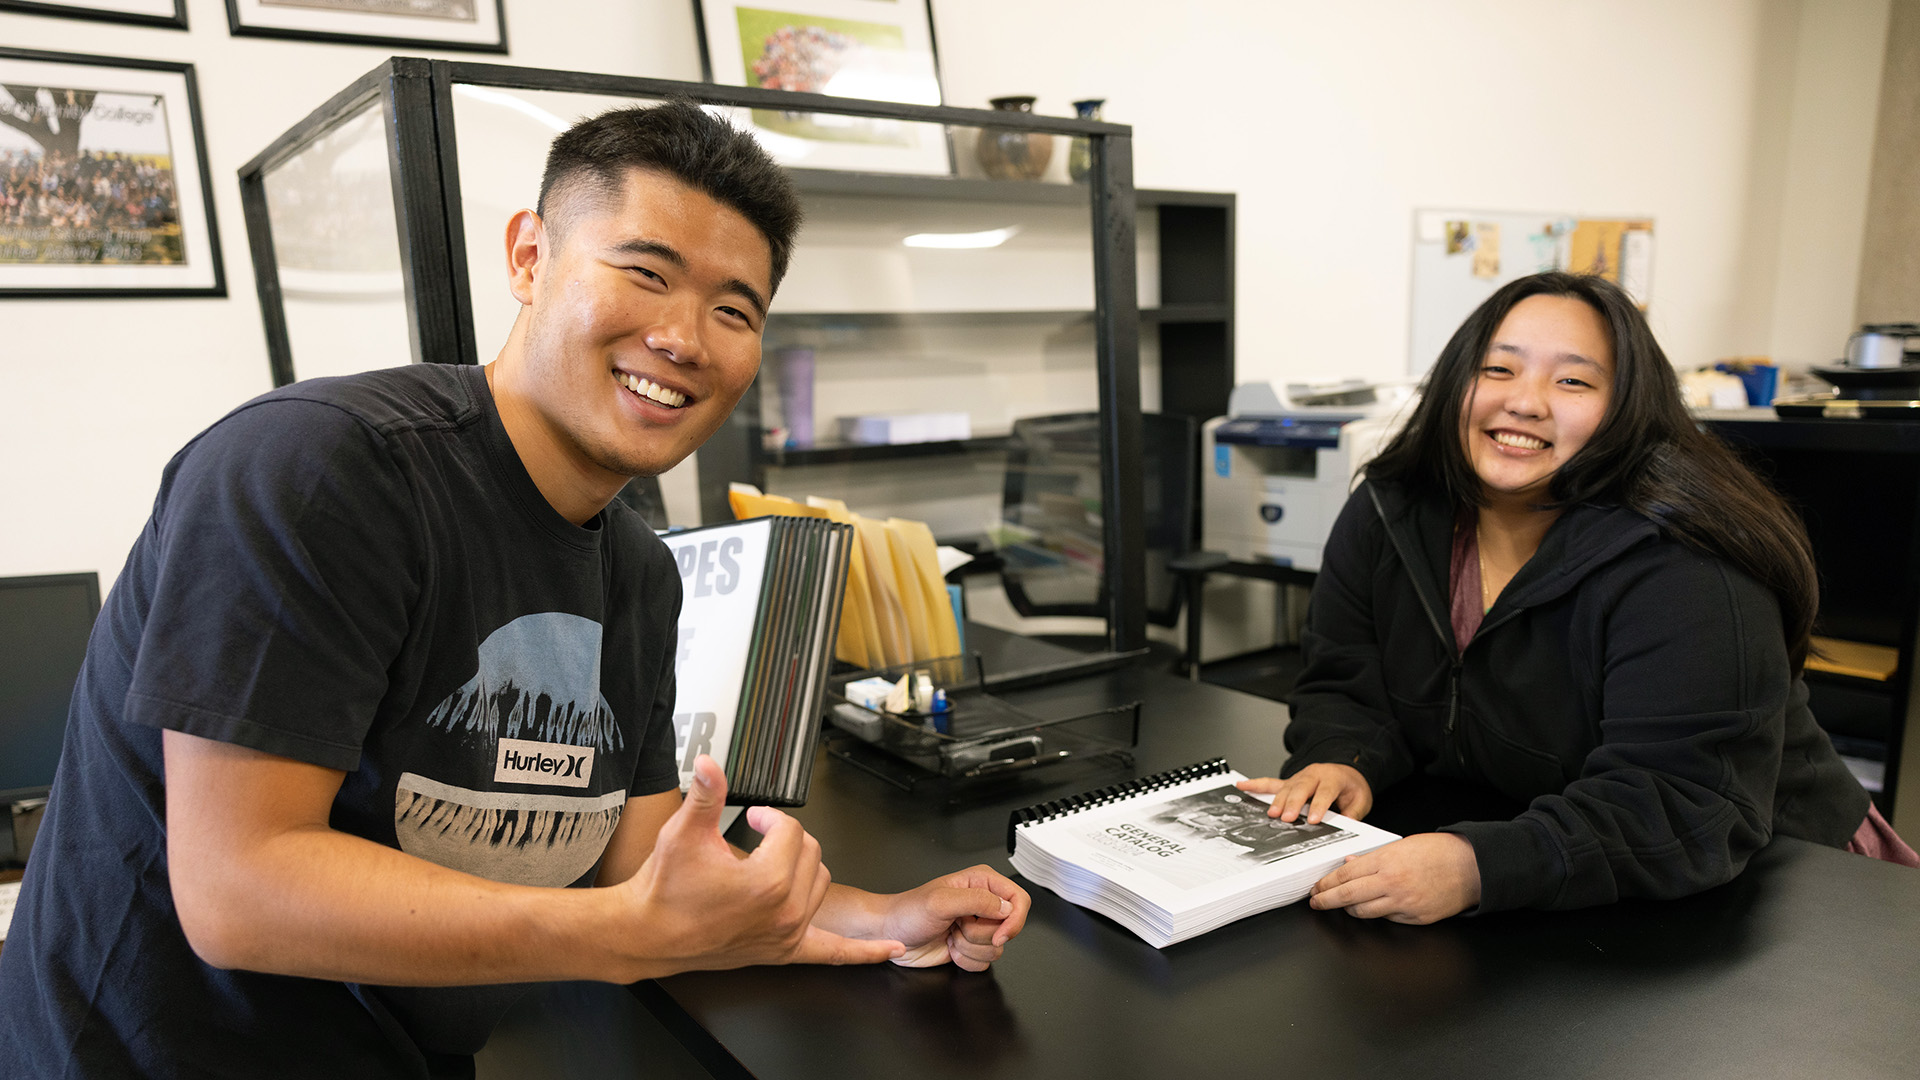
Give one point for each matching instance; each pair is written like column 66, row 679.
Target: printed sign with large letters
column 721, row 569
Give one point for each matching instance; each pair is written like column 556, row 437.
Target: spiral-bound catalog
column 1174, row 855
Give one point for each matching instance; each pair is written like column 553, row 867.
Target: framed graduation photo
column 472, row 25
column 103, row 179
column 881, row 50
column 171, row 14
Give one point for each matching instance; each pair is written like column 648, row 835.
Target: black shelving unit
column 1194, row 321
column 1193, row 325
column 1856, row 484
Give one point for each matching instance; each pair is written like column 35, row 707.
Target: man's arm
column 260, row 881
column 633, row 839
column 967, row 917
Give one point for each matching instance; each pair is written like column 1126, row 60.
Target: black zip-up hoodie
column 1635, row 692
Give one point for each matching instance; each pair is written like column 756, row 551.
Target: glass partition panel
column 330, row 206
column 931, row 353
column 503, row 135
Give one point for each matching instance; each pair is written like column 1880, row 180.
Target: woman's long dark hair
column 1647, row 455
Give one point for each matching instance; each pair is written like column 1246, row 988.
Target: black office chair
column 1051, row 542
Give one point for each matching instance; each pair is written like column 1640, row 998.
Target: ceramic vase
column 1080, row 152
column 1014, row 155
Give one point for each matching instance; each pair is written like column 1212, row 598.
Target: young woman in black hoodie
column 1553, row 583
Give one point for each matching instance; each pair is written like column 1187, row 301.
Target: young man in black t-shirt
column 302, row 824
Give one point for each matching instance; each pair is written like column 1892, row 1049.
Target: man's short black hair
column 679, row 139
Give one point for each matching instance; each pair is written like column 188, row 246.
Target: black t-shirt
column 360, row 574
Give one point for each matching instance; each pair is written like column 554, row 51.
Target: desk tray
column 983, row 735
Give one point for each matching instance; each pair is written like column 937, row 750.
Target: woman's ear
column 527, row 245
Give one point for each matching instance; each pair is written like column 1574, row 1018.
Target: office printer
column 1277, row 469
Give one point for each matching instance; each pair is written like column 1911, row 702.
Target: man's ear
column 527, row 245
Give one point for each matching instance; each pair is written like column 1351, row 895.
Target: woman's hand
column 1315, row 788
column 1420, row 879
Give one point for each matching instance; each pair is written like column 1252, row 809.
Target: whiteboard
column 1456, row 267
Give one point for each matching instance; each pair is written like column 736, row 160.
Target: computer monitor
column 45, row 621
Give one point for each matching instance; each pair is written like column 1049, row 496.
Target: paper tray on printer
column 1312, row 432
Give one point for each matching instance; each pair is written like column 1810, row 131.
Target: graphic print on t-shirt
column 532, row 719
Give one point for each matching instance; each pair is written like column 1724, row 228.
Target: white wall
column 1742, row 126
column 1825, row 176
column 1335, row 122
column 95, row 396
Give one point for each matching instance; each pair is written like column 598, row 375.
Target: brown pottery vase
column 1014, row 155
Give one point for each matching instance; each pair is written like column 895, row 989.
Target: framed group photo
column 881, row 50
column 167, row 13
column 472, row 25
column 103, row 179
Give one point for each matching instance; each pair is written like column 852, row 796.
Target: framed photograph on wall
column 103, row 179
column 881, row 50
column 167, row 13
column 472, row 25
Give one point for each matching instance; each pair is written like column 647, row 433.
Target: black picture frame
column 354, row 31
column 924, row 160
column 61, row 10
column 198, row 222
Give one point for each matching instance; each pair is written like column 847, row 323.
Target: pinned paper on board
column 1636, row 264
column 1461, row 256
column 1486, row 250
column 1552, row 245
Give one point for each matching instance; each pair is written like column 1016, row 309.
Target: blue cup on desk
column 1761, row 380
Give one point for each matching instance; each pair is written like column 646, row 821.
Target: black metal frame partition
column 416, row 97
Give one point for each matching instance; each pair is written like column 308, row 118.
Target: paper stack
column 1175, row 855
column 906, row 428
column 897, row 608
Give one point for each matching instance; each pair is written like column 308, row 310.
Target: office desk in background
column 1806, row 965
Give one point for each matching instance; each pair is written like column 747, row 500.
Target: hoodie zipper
column 1449, row 732
column 1457, row 653
column 1453, row 714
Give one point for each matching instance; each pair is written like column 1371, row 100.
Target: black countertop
column 1761, row 427
column 1806, row 965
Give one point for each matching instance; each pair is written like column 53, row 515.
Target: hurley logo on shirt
column 525, row 762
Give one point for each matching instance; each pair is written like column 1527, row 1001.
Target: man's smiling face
column 646, row 308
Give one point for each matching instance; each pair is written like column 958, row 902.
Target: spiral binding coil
column 1112, row 793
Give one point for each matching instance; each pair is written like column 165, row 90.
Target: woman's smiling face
column 1542, row 391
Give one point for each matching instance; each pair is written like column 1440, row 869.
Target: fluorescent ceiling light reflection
column 962, row 240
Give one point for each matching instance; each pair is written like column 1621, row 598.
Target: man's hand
column 1420, row 879
column 720, row 910
column 1315, row 788
column 967, row 918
